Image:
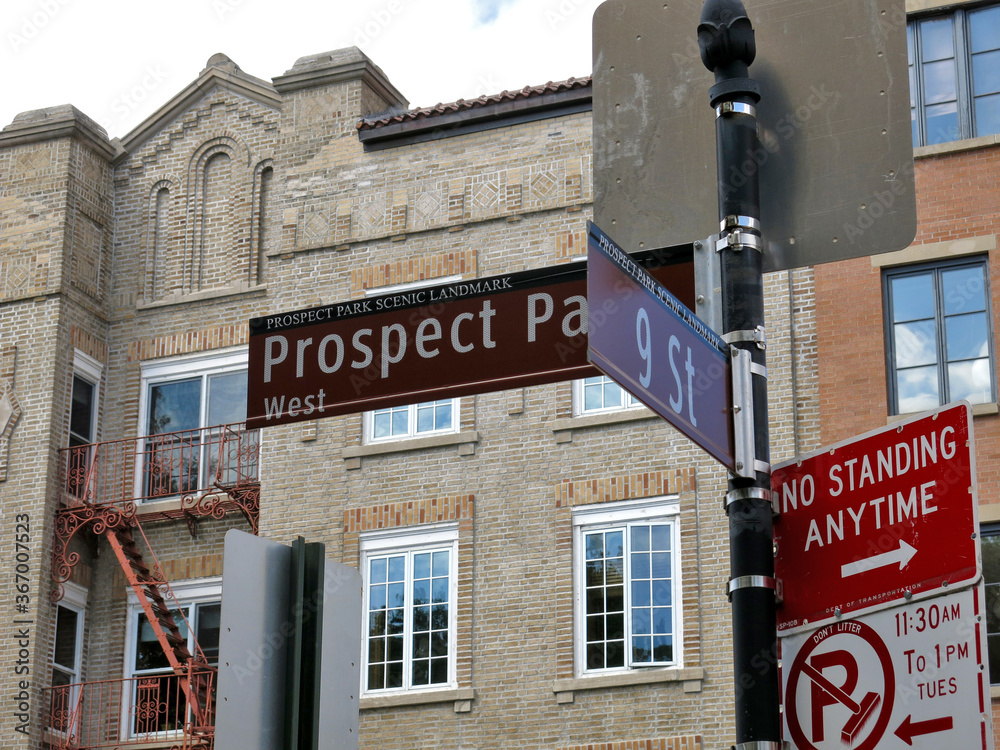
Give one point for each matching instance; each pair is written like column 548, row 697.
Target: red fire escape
column 204, row 472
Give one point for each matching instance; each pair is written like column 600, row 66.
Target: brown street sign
column 455, row 339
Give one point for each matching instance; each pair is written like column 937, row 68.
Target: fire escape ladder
column 195, row 675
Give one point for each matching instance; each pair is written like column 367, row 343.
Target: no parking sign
column 909, row 676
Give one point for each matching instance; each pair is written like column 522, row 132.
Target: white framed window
column 84, row 401
column 85, row 398
column 410, row 595
column 412, row 420
column 184, row 402
column 600, row 394
column 67, row 652
column 67, row 656
column 156, row 704
column 627, row 583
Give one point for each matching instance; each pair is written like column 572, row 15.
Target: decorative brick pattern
column 609, row 489
column 395, row 515
column 187, row 343
column 407, row 270
column 571, row 245
column 10, row 407
column 88, row 343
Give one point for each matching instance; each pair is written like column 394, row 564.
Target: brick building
column 129, row 271
column 551, row 526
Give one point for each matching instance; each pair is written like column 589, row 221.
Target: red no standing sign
column 885, row 518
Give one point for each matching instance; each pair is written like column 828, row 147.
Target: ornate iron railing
column 211, row 471
column 182, row 464
column 152, row 711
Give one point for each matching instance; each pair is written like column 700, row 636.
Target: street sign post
column 884, row 518
column 909, row 676
column 456, row 339
column 645, row 339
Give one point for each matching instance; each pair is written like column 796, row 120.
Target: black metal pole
column 726, row 41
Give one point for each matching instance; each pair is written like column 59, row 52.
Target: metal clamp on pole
column 757, row 336
column 733, row 221
column 760, row 745
column 752, row 493
column 737, row 240
column 735, row 108
column 751, row 582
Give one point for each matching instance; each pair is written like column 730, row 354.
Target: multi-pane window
column 184, row 404
column 413, row 420
column 410, row 614
column 157, row 694
column 67, row 657
column 939, row 335
column 954, row 63
column 627, row 587
column 601, row 393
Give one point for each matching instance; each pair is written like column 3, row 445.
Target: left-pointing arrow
column 902, row 555
column 910, row 729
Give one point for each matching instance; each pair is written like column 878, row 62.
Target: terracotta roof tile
column 528, row 92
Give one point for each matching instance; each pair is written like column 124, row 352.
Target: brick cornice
column 53, row 123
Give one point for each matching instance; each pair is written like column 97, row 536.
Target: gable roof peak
column 223, row 62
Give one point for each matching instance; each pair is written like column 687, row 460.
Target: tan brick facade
column 243, row 198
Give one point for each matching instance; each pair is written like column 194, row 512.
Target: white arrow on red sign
column 902, row 556
column 853, row 516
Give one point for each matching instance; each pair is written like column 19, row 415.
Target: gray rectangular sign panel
column 255, row 630
column 836, row 154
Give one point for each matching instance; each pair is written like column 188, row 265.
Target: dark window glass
column 81, row 416
column 66, row 644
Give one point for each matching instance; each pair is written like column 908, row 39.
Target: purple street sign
column 645, row 339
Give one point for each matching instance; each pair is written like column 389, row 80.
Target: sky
column 118, row 61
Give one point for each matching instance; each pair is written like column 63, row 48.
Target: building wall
column 191, row 265
column 54, row 270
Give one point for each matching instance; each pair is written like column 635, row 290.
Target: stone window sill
column 563, row 428
column 689, row 677
column 978, row 410
column 955, row 146
column 462, row 698
column 183, row 299
column 466, row 442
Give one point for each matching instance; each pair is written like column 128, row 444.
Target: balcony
column 173, row 475
column 153, row 711
column 182, row 465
